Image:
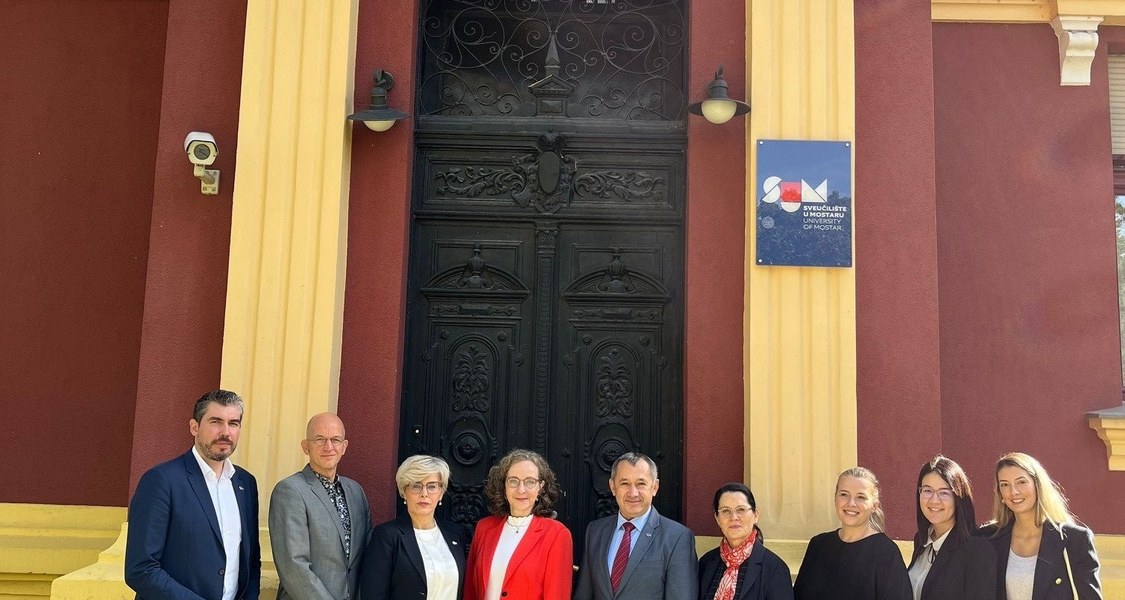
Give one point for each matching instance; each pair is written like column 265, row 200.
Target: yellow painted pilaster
column 285, row 288
column 799, row 321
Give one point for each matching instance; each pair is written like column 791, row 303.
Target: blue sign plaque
column 804, row 201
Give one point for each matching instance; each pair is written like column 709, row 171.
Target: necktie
column 621, row 560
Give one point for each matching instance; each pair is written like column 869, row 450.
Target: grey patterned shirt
column 336, row 495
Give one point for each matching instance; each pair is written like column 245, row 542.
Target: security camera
column 202, row 151
column 201, row 148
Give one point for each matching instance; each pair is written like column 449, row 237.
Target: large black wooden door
column 546, row 265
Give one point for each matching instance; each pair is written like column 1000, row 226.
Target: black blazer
column 767, row 576
column 964, row 569
column 392, row 567
column 1050, row 570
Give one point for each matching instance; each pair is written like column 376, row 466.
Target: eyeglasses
column 926, row 493
column 320, row 441
column 741, row 512
column 528, row 484
column 432, row 487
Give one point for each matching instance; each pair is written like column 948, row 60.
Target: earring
column 439, row 502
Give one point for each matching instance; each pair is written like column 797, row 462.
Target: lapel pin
column 1058, row 581
column 454, row 543
column 241, row 489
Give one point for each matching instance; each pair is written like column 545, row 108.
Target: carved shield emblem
column 549, row 164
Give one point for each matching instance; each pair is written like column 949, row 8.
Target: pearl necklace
column 518, row 522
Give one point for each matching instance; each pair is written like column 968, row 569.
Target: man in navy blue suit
column 193, row 521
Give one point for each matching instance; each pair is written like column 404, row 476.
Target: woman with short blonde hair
column 417, row 554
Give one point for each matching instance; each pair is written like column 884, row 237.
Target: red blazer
column 541, row 568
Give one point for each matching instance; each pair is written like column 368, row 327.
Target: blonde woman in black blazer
column 949, row 562
column 406, row 557
column 1031, row 520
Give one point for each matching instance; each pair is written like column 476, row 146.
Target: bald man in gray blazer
column 319, row 521
column 660, row 562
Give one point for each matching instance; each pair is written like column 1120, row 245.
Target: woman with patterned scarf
column 741, row 568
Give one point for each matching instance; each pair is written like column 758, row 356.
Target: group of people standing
column 1033, row 549
column 193, row 534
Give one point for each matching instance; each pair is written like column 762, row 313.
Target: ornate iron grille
column 619, row 59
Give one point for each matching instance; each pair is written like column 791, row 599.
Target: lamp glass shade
column 381, row 125
column 718, row 110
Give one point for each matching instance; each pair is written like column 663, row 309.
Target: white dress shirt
column 921, row 568
column 619, row 534
column 510, row 537
column 230, row 522
column 441, row 568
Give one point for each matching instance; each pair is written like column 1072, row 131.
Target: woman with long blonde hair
column 1042, row 552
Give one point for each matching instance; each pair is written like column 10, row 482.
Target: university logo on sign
column 800, row 223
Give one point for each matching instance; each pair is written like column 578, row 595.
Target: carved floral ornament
column 546, row 180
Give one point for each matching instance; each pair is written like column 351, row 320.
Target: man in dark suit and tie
column 637, row 554
column 193, row 521
column 319, row 520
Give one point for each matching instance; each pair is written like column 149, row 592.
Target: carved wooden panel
column 546, row 262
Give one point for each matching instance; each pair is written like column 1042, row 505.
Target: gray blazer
column 308, row 538
column 662, row 564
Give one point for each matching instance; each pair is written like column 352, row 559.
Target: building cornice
column 1075, row 23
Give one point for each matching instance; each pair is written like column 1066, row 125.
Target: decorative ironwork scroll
column 623, row 185
column 541, row 180
column 619, row 59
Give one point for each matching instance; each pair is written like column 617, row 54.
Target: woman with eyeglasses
column 520, row 552
column 949, row 562
column 741, row 568
column 1042, row 552
column 857, row 561
column 416, row 555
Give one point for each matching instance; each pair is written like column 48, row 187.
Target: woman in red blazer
column 521, row 552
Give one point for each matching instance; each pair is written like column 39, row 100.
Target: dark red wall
column 79, row 112
column 897, row 366
column 713, row 281
column 378, row 233
column 1027, row 272
column 185, row 292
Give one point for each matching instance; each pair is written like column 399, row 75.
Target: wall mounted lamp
column 718, row 107
column 202, row 151
column 379, row 116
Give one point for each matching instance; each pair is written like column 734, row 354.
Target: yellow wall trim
column 983, row 11
column 1112, row 12
column 1110, row 425
column 39, row 542
column 799, row 347
column 285, row 289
